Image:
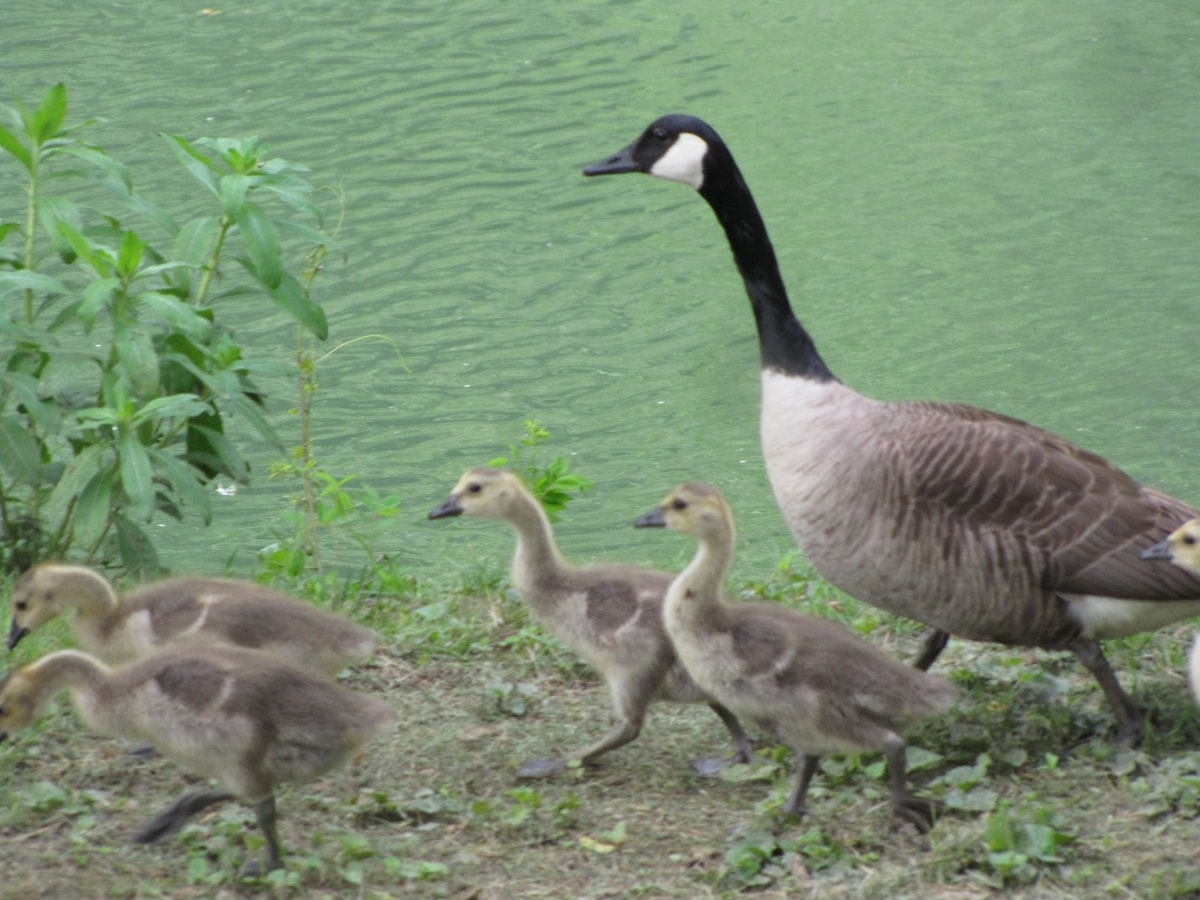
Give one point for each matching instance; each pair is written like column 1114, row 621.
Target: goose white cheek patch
column 684, row 161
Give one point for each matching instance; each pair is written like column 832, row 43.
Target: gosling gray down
column 245, row 718
column 1182, row 547
column 977, row 524
column 611, row 615
column 217, row 610
column 819, row 687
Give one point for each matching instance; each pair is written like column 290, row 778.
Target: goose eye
column 679, row 504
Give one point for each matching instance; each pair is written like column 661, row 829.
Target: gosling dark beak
column 449, row 507
column 15, row 633
column 652, row 519
column 1161, row 550
column 3, row 735
column 615, row 165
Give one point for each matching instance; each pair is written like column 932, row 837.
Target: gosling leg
column 795, row 805
column 932, row 645
column 744, row 748
column 1131, row 724
column 175, row 816
column 631, row 695
column 264, row 811
column 920, row 811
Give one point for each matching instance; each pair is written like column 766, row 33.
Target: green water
column 992, row 203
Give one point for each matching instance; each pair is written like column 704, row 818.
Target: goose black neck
column 783, row 342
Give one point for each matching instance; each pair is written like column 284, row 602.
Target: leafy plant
column 552, row 484
column 1019, row 840
column 119, row 377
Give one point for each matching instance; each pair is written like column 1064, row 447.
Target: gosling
column 819, row 687
column 245, row 718
column 611, row 615
column 1182, row 547
column 213, row 610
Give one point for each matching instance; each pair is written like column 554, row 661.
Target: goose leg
column 631, row 698
column 264, row 811
column 932, row 645
column 906, row 805
column 804, row 774
column 745, row 749
column 175, row 816
column 1130, row 721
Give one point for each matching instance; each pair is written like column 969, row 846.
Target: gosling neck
column 86, row 591
column 67, row 670
column 784, row 344
column 695, row 595
column 537, row 561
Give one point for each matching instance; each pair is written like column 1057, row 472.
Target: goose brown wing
column 1077, row 521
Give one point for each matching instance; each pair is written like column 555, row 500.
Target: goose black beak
column 15, row 633
column 1161, row 550
column 449, row 507
column 652, row 519
column 615, row 165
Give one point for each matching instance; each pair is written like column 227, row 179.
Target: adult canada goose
column 216, row 610
column 974, row 523
column 818, row 686
column 611, row 615
column 247, row 719
column 1182, row 547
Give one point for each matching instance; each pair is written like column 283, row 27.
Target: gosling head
column 1181, row 547
column 484, row 492
column 675, row 147
column 20, row 704
column 695, row 509
column 36, row 599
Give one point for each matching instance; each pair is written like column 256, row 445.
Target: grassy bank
column 1041, row 802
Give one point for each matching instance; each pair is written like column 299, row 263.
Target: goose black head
column 675, row 147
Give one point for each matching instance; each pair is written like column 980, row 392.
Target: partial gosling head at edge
column 1181, row 547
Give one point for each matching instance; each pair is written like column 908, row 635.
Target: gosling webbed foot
column 175, row 816
column 541, row 768
column 920, row 812
column 710, row 768
column 144, row 751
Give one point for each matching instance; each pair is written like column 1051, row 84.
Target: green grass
column 1041, row 802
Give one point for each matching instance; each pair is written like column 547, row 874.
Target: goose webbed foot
column 921, row 812
column 175, row 816
column 541, row 768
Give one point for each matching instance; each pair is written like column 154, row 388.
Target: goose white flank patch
column 977, row 524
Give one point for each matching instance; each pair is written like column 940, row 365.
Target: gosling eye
column 474, row 487
column 679, row 504
column 1189, row 539
column 22, row 605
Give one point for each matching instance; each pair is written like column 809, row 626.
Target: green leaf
column 136, row 475
column 185, row 481
column 197, row 163
column 93, row 507
column 78, row 473
column 10, row 143
column 19, row 452
column 96, row 297
column 48, row 117
column 137, row 552
column 137, row 360
column 129, row 256
column 183, row 406
column 27, row 280
column 292, row 297
column 261, row 241
column 233, row 194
